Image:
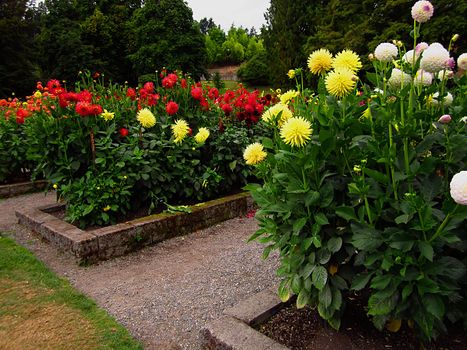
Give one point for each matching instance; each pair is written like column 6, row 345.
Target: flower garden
column 361, row 183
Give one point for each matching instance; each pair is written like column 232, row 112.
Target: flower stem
column 394, row 188
column 443, row 224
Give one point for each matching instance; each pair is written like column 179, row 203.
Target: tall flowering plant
column 365, row 186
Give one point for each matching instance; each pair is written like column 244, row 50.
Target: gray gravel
column 166, row 293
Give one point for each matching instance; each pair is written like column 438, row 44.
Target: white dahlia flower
column 423, row 78
column 434, row 58
column 422, row 11
column 386, row 52
column 459, row 188
column 462, row 61
column 398, row 78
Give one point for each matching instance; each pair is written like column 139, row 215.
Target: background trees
column 18, row 26
column 126, row 39
column 163, row 34
column 359, row 25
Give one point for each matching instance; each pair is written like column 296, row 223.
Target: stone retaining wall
column 116, row 240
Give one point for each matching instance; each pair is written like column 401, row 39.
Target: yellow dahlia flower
column 296, row 131
column 202, row 135
column 320, row 61
column 180, row 129
column 288, row 96
column 254, row 154
column 107, row 115
column 347, row 59
column 146, row 118
column 272, row 114
column 340, row 82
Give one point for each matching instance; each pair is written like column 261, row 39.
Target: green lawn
column 40, row 310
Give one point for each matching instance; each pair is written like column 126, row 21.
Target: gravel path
column 166, row 293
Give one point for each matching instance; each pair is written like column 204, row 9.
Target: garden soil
column 164, row 294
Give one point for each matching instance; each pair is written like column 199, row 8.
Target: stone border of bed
column 116, row 240
column 16, row 189
column 234, row 330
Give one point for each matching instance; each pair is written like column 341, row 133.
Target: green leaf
column 298, row 225
column 311, row 198
column 321, row 219
column 365, row 237
column 381, row 304
column 426, row 250
column 407, row 291
column 434, row 305
column 334, row 322
column 233, row 165
column 302, row 299
column 323, row 256
column 347, row 213
column 296, row 284
column 325, row 296
column 284, row 293
column 327, row 195
column 336, row 299
column 334, row 244
column 319, row 277
column 381, row 282
column 402, row 219
column 307, row 270
column 361, row 280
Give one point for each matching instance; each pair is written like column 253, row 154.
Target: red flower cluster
column 85, row 109
column 169, row 81
column 147, row 97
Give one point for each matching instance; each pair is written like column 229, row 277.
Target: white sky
column 245, row 13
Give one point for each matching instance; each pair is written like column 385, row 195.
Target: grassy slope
column 39, row 309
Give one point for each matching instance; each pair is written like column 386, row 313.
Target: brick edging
column 116, row 240
column 12, row 190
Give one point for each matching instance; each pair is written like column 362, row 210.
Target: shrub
column 255, row 71
column 356, row 190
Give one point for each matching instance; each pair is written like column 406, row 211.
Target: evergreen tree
column 18, row 27
column 165, row 35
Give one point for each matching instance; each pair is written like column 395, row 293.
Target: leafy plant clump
column 365, row 185
column 111, row 149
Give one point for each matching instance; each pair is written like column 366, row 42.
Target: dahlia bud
column 445, row 119
column 454, row 38
column 371, row 57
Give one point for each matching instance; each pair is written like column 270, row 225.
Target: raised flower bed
column 116, row 240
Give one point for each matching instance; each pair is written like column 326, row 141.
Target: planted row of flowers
column 365, row 185
column 111, row 149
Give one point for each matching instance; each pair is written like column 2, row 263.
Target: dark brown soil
column 303, row 329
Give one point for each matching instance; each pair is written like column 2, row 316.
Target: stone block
column 256, row 309
column 228, row 333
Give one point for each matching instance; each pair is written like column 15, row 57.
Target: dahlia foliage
column 109, row 149
column 364, row 185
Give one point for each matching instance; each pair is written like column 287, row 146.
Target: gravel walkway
column 166, row 293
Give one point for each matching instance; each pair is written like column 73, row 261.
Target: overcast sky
column 245, row 13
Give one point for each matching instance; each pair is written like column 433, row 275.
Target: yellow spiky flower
column 296, row 131
column 320, row 61
column 202, row 135
column 272, row 114
column 254, row 154
column 146, row 118
column 179, row 130
column 288, row 96
column 340, row 82
column 347, row 59
column 107, row 115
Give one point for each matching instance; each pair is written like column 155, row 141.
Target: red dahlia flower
column 227, row 109
column 197, row 93
column 171, row 108
column 213, row 93
column 123, row 132
column 86, row 109
column 131, row 93
column 149, row 87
